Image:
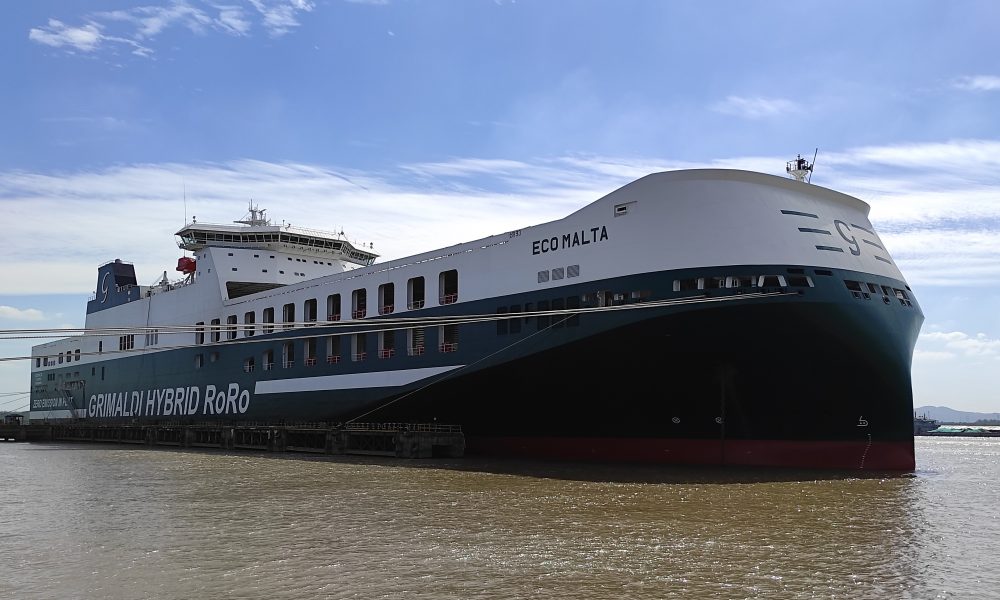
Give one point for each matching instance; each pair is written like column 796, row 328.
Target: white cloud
column 20, row 314
column 57, row 34
column 938, row 216
column 280, row 16
column 755, row 107
column 979, row 83
column 136, row 27
column 961, row 344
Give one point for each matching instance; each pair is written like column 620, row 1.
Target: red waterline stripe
column 874, row 456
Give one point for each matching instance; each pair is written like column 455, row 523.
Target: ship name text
column 170, row 402
column 570, row 240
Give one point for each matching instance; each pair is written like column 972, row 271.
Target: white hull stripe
column 349, row 381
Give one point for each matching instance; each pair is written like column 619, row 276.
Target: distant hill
column 950, row 415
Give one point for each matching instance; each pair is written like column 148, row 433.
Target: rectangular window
column 502, row 321
column 573, row 271
column 248, row 365
column 543, row 276
column 248, row 319
column 572, row 303
column 557, row 273
column 359, row 346
column 332, row 349
column 267, row 359
column 309, row 352
column 359, row 303
column 387, row 344
column 199, row 333
column 448, row 334
column 415, row 293
column 309, row 311
column 542, row 321
column 448, row 287
column 231, row 327
column 216, row 333
column 268, row 318
column 199, row 361
column 288, row 315
column 333, row 307
column 415, row 341
column 288, row 355
column 386, row 298
column 558, row 320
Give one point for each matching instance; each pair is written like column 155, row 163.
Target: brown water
column 89, row 521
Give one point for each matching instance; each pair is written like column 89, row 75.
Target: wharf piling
column 401, row 440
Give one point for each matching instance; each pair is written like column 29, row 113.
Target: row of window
column 415, row 299
column 512, row 325
column 335, row 348
column 865, row 290
column 558, row 273
column 68, row 356
column 746, row 281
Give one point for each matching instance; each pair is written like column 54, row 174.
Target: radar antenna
column 801, row 169
column 257, row 216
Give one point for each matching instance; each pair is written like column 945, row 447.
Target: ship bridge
column 255, row 231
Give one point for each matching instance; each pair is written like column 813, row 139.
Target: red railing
column 415, row 304
column 359, row 314
column 360, row 356
column 415, row 351
column 386, row 352
column 333, row 317
column 288, row 364
column 448, row 347
column 332, row 360
column 388, row 308
column 310, row 362
column 449, row 299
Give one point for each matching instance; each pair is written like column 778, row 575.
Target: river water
column 95, row 521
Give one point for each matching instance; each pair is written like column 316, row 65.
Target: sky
column 414, row 124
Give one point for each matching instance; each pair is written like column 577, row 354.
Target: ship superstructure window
column 387, row 344
column 231, row 329
column 309, row 311
column 683, row 285
column 448, row 286
column 558, row 320
column 100, row 345
column 557, row 273
column 268, row 317
column 359, row 346
column 622, row 209
column 267, row 360
column 448, row 334
column 288, row 315
column 216, row 333
column 415, row 341
column 199, row 361
column 573, row 271
column 573, row 302
column 199, row 333
column 515, row 324
column 213, row 357
column 248, row 364
column 542, row 320
column 332, row 349
column 249, row 318
column 771, row 281
column 711, row 283
column 309, row 352
column 288, row 355
column 119, row 347
column 38, row 363
column 386, row 298
column 543, row 276
column 333, row 307
column 77, row 351
column 502, row 327
column 800, row 281
column 359, row 303
column 415, row 293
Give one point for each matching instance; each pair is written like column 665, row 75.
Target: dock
column 400, row 440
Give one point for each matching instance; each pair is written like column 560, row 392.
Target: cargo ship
column 703, row 316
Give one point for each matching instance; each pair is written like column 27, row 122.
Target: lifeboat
column 186, row 265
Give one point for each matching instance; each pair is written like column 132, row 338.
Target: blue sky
column 415, row 123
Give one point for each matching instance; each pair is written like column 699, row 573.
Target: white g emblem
column 104, row 287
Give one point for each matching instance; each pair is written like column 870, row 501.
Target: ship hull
column 812, row 376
